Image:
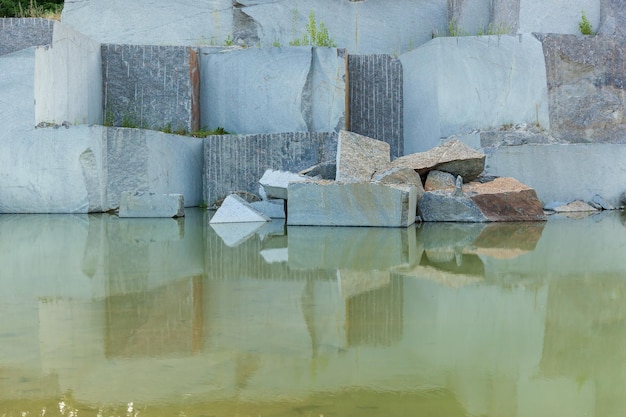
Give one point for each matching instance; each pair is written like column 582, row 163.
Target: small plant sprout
column 585, row 25
column 314, row 35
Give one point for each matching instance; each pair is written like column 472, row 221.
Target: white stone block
column 235, row 209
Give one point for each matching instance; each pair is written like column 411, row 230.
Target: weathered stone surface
column 556, row 16
column 352, row 25
column 612, row 18
column 442, row 206
column 586, row 83
column 274, row 90
column 399, row 175
column 453, row 157
column 235, row 163
column 68, row 79
column 469, row 83
column 140, row 204
column 17, row 34
column 359, row 157
column 325, row 171
column 151, row 87
column 469, row 16
column 439, row 180
column 235, row 209
column 275, row 182
column 506, row 199
column 503, row 199
column 574, row 206
column 328, row 203
column 376, row 99
column 602, row 203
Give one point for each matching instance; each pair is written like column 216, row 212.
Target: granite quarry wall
column 412, row 92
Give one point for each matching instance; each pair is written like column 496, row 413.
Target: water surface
column 102, row 316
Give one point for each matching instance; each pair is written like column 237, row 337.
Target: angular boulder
column 398, row 175
column 235, row 209
column 140, row 204
column 275, row 182
column 574, row 206
column 439, row 180
column 328, row 203
column 500, row 200
column 359, row 157
column 453, row 157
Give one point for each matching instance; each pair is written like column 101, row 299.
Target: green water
column 102, row 317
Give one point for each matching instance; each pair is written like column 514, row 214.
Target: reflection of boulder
column 456, row 263
column 164, row 321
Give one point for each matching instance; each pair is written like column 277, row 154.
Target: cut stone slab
column 359, row 157
column 274, row 209
column 140, row 204
column 503, row 199
column 325, row 171
column 574, row 206
column 453, row 157
column 235, row 209
column 329, row 203
column 275, row 182
column 439, row 180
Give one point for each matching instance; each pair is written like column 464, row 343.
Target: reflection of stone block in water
column 375, row 317
column 164, row 321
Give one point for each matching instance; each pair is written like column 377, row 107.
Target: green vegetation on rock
column 584, row 25
column 315, row 35
column 50, row 9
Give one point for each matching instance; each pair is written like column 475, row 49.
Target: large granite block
column 152, row 87
column 272, row 90
column 68, row 79
column 237, row 163
column 17, row 34
column 376, row 99
column 140, row 204
column 586, row 85
column 329, row 203
column 457, row 85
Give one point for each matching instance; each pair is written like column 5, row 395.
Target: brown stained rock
column 453, row 157
column 359, row 157
column 439, row 180
column 506, row 199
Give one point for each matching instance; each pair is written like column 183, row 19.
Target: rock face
column 17, row 34
column 585, row 76
column 503, row 199
column 328, row 203
column 453, row 157
column 612, row 18
column 359, row 157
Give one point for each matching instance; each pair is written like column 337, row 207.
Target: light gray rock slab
column 359, row 157
column 328, row 203
column 472, row 82
column 275, row 182
column 539, row 165
column 235, row 209
column 141, row 204
column 255, row 90
column 274, row 209
column 68, row 79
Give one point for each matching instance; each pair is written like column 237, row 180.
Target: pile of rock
column 369, row 189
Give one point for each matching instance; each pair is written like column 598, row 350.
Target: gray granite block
column 140, row 204
column 17, row 34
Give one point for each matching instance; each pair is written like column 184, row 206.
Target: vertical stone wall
column 236, row 163
column 17, row 34
column 376, row 99
column 586, row 87
column 153, row 87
